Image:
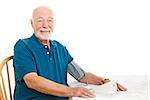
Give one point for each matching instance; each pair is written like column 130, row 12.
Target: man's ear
column 31, row 23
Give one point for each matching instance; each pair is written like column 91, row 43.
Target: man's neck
column 45, row 42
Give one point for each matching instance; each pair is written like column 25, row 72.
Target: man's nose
column 45, row 25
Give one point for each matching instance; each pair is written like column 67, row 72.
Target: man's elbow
column 31, row 80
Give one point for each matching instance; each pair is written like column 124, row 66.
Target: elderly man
column 41, row 65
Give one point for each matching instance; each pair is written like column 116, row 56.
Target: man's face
column 43, row 23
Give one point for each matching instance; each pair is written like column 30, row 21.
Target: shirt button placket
column 48, row 53
column 46, row 49
column 45, row 46
column 50, row 59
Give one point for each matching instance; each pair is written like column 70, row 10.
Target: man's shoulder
column 57, row 43
column 21, row 42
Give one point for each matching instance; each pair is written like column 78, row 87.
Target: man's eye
column 50, row 21
column 39, row 20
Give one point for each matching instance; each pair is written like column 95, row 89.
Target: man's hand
column 121, row 88
column 97, row 80
column 103, row 81
column 81, row 92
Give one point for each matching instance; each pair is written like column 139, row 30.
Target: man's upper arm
column 75, row 70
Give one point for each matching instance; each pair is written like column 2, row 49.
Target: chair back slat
column 4, row 94
column 9, row 85
column 3, row 90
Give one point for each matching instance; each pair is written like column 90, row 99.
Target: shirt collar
column 38, row 44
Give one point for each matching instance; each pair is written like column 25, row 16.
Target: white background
column 104, row 36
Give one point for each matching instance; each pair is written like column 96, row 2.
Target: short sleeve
column 69, row 57
column 23, row 60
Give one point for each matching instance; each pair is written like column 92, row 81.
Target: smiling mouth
column 45, row 31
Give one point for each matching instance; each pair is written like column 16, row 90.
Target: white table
column 137, row 89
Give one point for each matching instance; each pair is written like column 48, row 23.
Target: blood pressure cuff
column 75, row 70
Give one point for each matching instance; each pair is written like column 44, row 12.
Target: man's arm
column 93, row 79
column 46, row 86
column 97, row 80
column 75, row 70
column 86, row 77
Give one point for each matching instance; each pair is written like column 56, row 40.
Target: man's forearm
column 49, row 87
column 92, row 79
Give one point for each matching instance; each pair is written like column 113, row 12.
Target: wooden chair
column 7, row 77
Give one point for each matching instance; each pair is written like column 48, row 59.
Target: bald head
column 42, row 10
column 42, row 21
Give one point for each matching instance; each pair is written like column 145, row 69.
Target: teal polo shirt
column 32, row 56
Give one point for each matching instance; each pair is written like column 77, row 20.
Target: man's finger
column 106, row 80
column 121, row 88
column 86, row 92
column 89, row 94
